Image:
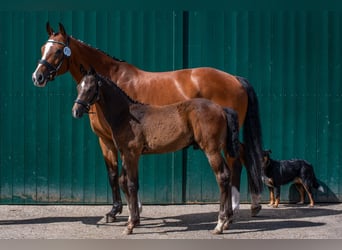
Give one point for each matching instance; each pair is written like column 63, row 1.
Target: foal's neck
column 115, row 103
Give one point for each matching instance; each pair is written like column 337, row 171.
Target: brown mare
column 146, row 129
column 63, row 53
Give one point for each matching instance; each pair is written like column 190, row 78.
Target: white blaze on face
column 46, row 50
column 82, row 84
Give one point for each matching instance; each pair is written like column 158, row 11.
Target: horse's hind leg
column 110, row 155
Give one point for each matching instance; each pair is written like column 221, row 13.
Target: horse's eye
column 58, row 53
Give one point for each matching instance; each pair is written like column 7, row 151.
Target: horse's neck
column 92, row 57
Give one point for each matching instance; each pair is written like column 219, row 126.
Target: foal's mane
column 113, row 84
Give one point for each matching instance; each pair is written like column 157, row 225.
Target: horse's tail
column 233, row 144
column 252, row 140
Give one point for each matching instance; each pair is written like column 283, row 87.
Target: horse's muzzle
column 38, row 79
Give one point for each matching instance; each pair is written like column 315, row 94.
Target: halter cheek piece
column 52, row 70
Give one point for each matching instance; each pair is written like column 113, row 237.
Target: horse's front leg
column 110, row 155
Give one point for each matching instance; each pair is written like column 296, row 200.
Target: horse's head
column 87, row 92
column 55, row 54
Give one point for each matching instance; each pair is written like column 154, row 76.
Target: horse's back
column 163, row 88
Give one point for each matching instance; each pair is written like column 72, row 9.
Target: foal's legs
column 222, row 174
column 129, row 183
column 110, row 155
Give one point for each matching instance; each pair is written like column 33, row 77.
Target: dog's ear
column 267, row 152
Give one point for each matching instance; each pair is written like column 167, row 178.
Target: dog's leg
column 301, row 191
column 277, row 196
column 271, row 190
column 309, row 192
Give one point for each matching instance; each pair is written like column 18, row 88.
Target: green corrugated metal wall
column 292, row 58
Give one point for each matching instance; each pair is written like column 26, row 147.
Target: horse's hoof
column 110, row 218
column 255, row 210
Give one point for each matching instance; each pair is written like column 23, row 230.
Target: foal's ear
column 61, row 29
column 91, row 71
column 83, row 70
column 49, row 30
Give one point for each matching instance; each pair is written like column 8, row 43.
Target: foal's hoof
column 217, row 231
column 116, row 209
column 255, row 210
column 127, row 231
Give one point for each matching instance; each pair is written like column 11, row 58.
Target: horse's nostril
column 40, row 77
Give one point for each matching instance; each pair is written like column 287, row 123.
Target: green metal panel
column 292, row 59
column 46, row 155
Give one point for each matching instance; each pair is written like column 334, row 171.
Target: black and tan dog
column 283, row 172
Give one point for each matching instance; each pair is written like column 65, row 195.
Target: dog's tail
column 315, row 183
column 317, row 186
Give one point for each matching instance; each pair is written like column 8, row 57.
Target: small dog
column 283, row 172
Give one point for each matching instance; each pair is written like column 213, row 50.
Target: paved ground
column 170, row 222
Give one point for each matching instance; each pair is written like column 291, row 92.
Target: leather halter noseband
column 52, row 70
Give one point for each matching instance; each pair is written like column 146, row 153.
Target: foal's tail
column 233, row 144
column 252, row 140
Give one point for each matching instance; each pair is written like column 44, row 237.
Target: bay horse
column 62, row 53
column 147, row 129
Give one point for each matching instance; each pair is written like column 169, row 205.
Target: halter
column 52, row 70
column 94, row 99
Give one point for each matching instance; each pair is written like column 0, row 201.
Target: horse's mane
column 88, row 45
column 110, row 82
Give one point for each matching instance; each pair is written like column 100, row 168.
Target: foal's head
column 88, row 92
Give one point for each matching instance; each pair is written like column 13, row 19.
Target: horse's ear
column 49, row 30
column 61, row 29
column 82, row 70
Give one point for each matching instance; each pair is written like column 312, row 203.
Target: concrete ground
column 324, row 221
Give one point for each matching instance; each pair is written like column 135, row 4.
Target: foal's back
column 173, row 127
